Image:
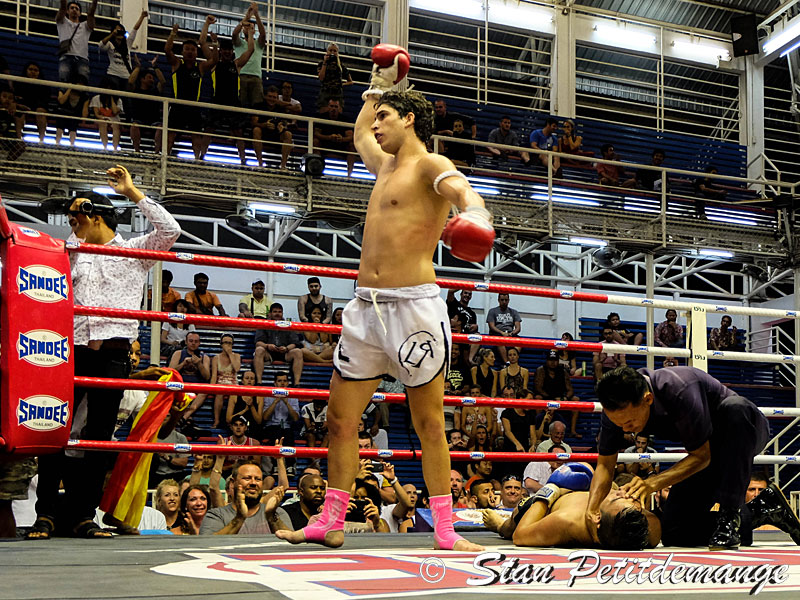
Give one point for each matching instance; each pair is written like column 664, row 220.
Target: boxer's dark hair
column 759, row 475
column 620, row 388
column 412, row 102
column 627, row 530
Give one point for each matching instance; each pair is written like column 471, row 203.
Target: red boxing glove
column 391, row 66
column 470, row 235
column 384, row 55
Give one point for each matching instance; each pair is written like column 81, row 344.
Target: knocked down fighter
column 554, row 516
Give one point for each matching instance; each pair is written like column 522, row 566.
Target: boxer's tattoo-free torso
column 405, row 218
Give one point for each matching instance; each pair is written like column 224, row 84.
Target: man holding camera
column 101, row 344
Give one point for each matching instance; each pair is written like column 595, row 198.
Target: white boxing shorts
column 402, row 332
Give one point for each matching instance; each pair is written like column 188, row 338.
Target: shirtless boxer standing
column 398, row 323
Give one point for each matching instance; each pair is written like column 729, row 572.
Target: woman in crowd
column 117, row 45
column 72, row 108
column 173, row 335
column 224, row 370
column 194, row 505
column 105, row 109
column 33, row 98
column 317, row 346
column 336, row 319
column 480, row 441
column 251, row 407
column 484, row 376
column 566, row 358
column 168, row 501
column 471, row 416
column 570, row 142
column 333, row 75
column 514, row 375
column 519, row 430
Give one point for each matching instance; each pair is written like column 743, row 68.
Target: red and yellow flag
column 126, row 492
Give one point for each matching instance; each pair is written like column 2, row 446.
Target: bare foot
column 333, row 539
column 462, row 545
column 491, row 520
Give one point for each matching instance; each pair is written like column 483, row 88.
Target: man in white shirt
column 557, row 430
column 74, row 35
column 538, row 472
column 101, row 344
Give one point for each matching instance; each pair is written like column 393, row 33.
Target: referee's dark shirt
column 683, row 409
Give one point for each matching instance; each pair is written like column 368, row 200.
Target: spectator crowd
column 227, row 71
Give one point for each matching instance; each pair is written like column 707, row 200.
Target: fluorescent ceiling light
column 791, row 48
column 516, row 14
column 584, row 241
column 701, row 52
column 786, row 36
column 621, row 37
column 732, row 220
column 567, row 200
column 271, row 208
column 485, row 190
column 468, row 9
column 104, row 190
column 641, row 208
column 714, row 252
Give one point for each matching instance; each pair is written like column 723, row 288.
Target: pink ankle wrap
column 332, row 517
column 442, row 512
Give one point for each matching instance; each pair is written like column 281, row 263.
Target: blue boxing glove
column 572, row 476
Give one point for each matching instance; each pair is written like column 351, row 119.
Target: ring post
column 36, row 334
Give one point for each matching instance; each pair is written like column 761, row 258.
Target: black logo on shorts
column 416, row 349
column 342, row 357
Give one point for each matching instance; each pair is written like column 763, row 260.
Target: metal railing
column 531, row 201
column 775, row 340
column 781, row 123
column 657, row 93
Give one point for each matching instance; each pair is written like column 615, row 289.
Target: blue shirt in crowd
column 542, row 141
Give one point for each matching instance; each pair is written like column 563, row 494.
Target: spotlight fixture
column 312, row 165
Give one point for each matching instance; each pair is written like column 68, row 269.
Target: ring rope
column 460, row 338
column 312, row 394
column 455, row 284
column 395, row 454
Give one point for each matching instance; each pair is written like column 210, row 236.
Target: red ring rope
column 309, row 394
column 209, row 320
column 257, row 265
column 317, row 452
